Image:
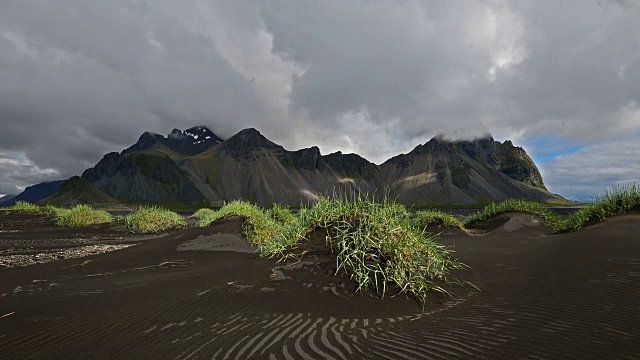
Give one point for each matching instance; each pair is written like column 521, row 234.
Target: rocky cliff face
column 251, row 167
column 185, row 142
column 510, row 160
column 180, row 169
column 464, row 172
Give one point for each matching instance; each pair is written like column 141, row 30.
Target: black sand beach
column 203, row 293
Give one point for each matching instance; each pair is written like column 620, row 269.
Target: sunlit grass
column 29, row 208
column 24, row 207
column 258, row 226
column 426, row 218
column 376, row 244
column 79, row 215
column 281, row 215
column 612, row 202
column 150, row 219
column 203, row 213
column 515, row 205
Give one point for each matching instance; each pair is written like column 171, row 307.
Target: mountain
column 464, row 172
column 6, row 198
column 195, row 166
column 35, row 193
column 77, row 191
column 186, row 142
column 251, row 167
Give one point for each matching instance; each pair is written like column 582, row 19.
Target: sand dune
column 542, row 296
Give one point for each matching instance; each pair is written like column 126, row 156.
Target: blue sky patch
column 546, row 148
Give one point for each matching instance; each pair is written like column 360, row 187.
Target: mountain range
column 34, row 193
column 195, row 166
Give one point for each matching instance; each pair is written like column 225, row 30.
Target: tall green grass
column 24, row 207
column 515, row 205
column 376, row 244
column 615, row 201
column 81, row 215
column 203, row 213
column 258, row 226
column 440, row 219
column 281, row 215
column 150, row 219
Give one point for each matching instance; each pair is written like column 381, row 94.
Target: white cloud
column 594, row 168
column 81, row 78
column 16, row 168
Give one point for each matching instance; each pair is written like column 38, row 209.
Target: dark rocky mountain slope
column 464, row 172
column 6, row 198
column 196, row 166
column 34, row 193
column 78, row 191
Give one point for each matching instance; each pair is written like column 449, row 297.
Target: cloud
column 81, row 78
column 589, row 171
column 16, row 169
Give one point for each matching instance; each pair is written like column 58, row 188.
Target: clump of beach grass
column 376, row 244
column 440, row 219
column 150, row 219
column 280, row 214
column 80, row 215
column 29, row 208
column 24, row 207
column 258, row 226
column 203, row 213
column 516, row 205
column 615, row 201
column 49, row 210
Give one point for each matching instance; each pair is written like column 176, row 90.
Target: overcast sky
column 80, row 78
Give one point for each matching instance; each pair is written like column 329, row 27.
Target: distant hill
column 195, row 166
column 78, row 191
column 6, row 198
column 34, row 193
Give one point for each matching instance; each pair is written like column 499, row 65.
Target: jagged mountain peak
column 187, row 142
column 197, row 134
column 249, row 166
column 242, row 144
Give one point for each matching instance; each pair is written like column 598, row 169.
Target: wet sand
column 184, row 295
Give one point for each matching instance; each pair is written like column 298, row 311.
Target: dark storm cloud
column 86, row 78
column 82, row 78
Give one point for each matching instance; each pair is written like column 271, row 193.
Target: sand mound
column 218, row 242
column 548, row 296
column 509, row 222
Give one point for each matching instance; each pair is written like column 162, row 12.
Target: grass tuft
column 150, row 219
column 24, row 207
column 203, row 213
column 376, row 244
column 438, row 218
column 516, row 205
column 615, row 201
column 612, row 202
column 282, row 215
column 80, row 215
column 258, row 226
